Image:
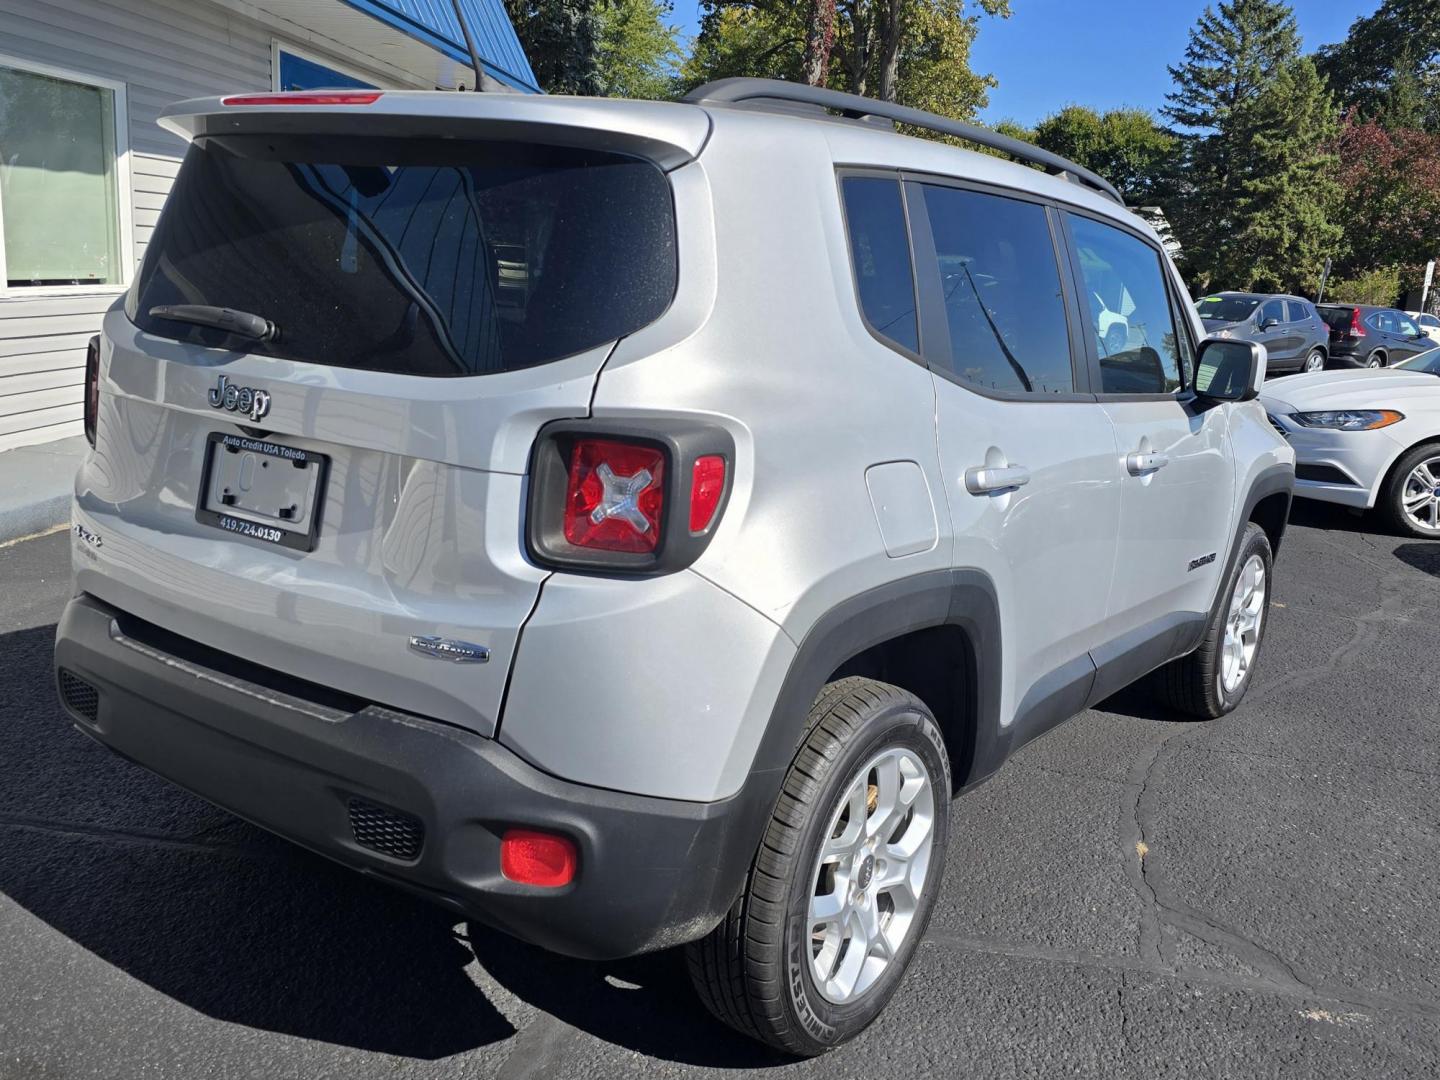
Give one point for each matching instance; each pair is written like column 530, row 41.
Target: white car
column 1429, row 324
column 1368, row 438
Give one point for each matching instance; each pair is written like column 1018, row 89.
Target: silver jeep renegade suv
column 631, row 524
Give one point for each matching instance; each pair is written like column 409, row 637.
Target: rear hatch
column 1341, row 320
column 443, row 273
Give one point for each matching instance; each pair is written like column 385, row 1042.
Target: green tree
column 639, row 51
column 1125, row 146
column 1394, row 50
column 561, row 38
column 1255, row 196
column 913, row 51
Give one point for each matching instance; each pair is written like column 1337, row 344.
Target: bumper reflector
column 538, row 858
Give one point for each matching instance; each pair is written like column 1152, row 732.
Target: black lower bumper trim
column 653, row 872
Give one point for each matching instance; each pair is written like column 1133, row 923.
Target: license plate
column 263, row 490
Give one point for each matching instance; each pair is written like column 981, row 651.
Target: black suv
column 1362, row 335
column 1294, row 335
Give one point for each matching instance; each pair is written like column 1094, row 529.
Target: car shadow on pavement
column 248, row 929
column 1314, row 514
column 1424, row 557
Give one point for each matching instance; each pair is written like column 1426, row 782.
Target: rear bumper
column 652, row 872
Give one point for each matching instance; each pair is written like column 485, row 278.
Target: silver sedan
column 1368, row 438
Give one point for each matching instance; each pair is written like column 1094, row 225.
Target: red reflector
column 333, row 97
column 615, row 496
column 537, row 858
column 92, row 387
column 707, row 485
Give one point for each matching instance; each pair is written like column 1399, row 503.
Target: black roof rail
column 855, row 107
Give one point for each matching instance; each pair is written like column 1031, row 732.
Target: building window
column 296, row 71
column 62, row 214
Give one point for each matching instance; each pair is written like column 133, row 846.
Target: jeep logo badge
column 252, row 403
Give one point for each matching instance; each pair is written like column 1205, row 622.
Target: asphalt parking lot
column 1130, row 897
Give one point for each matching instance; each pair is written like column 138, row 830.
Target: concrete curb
column 36, row 486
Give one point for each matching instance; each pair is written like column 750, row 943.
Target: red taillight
column 538, row 858
column 92, row 387
column 1357, row 328
column 615, row 496
column 706, row 487
column 332, row 97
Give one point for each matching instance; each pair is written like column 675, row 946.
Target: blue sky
column 1103, row 53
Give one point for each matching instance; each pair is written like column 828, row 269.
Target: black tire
column 1375, row 360
column 1192, row 684
column 753, row 971
column 1392, row 494
column 1314, row 362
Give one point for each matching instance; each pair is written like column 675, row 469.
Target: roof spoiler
column 667, row 134
column 855, row 107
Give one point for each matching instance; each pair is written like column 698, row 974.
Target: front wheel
column 1412, row 495
column 845, row 878
column 1212, row 680
column 1315, row 361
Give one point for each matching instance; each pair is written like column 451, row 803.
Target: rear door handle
column 1139, row 463
column 986, row 480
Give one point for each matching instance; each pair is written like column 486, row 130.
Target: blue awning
column 433, row 22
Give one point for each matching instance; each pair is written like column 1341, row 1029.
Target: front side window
column 1406, row 326
column 411, row 256
column 880, row 255
column 1000, row 279
column 59, row 199
column 1132, row 322
column 1273, row 311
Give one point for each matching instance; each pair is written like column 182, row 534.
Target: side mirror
column 1268, row 323
column 1230, row 370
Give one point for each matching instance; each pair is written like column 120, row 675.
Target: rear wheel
column 1212, row 680
column 1377, row 360
column 845, row 878
column 1315, row 361
column 1412, row 494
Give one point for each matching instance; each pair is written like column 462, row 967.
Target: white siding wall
column 163, row 51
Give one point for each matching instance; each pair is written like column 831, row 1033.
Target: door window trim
column 1186, row 393
column 124, row 198
column 871, row 173
column 935, row 327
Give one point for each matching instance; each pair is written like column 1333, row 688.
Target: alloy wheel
column 1420, row 497
column 870, row 874
column 1242, row 625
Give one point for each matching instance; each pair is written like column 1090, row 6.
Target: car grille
column 390, row 832
column 79, row 696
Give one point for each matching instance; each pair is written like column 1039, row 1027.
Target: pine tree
column 561, row 39
column 1255, row 195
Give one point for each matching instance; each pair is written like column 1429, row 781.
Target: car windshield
column 1428, row 362
column 1227, row 308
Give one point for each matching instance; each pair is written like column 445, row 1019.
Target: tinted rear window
column 425, row 257
column 1227, row 308
column 1337, row 318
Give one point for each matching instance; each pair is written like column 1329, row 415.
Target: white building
column 84, row 169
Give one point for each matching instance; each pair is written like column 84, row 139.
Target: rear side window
column 880, row 255
column 1299, row 310
column 1000, row 279
column 416, row 256
column 1132, row 320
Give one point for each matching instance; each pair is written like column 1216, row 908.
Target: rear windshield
column 1229, row 308
column 418, row 256
column 1337, row 318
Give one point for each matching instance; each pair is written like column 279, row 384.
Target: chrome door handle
column 986, row 480
column 1139, row 463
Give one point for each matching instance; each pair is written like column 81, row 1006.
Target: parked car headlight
column 1349, row 419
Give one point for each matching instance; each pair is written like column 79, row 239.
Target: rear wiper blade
column 242, row 323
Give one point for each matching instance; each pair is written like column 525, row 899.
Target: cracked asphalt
column 1131, row 896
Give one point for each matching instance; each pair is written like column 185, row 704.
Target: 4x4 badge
column 241, row 399
column 457, row 652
